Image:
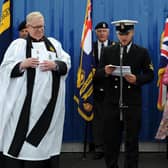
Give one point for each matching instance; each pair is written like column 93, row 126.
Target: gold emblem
column 51, row 48
column 88, row 107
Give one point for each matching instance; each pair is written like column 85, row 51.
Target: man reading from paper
column 122, row 118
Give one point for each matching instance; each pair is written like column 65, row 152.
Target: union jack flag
column 162, row 66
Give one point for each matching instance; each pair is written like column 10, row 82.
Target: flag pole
column 85, row 140
column 84, row 93
column 167, row 147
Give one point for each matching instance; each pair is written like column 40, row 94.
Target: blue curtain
column 64, row 21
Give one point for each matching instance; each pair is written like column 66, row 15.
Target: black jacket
column 98, row 83
column 139, row 61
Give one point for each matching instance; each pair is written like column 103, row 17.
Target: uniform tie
column 102, row 46
column 125, row 50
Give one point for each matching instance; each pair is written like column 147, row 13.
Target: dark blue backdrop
column 64, row 20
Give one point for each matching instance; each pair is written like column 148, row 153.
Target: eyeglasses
column 37, row 27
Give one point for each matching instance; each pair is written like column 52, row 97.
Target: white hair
column 33, row 15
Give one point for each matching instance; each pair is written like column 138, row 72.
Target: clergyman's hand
column 47, row 65
column 29, row 63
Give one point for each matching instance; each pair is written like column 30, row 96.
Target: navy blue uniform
column 139, row 61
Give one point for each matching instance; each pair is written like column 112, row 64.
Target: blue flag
column 86, row 70
column 5, row 27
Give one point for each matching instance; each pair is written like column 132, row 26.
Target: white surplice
column 13, row 92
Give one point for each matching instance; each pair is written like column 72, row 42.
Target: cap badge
column 122, row 26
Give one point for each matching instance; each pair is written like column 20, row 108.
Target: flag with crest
column 162, row 66
column 86, row 70
column 5, row 26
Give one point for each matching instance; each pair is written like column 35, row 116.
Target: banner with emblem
column 163, row 62
column 5, row 26
column 86, row 70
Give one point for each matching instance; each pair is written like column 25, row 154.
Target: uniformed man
column 22, row 29
column 122, row 113
column 102, row 35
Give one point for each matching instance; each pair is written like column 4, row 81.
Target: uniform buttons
column 115, row 86
column 129, row 86
column 116, row 79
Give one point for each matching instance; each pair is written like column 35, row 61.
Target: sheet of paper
column 39, row 45
column 125, row 70
column 39, row 51
column 42, row 54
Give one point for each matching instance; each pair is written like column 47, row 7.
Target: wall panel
column 64, row 20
